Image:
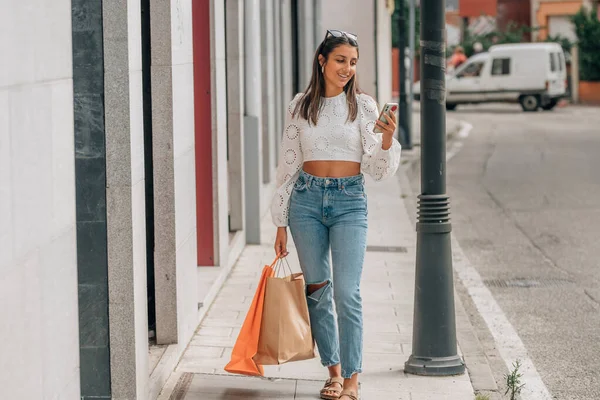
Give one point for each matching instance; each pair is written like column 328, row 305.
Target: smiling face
column 340, row 66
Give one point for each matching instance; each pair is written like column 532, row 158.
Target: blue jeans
column 331, row 213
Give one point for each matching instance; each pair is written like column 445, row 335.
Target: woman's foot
column 334, row 385
column 350, row 391
column 332, row 389
column 349, row 394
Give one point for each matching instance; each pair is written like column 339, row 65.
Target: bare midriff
column 331, row 169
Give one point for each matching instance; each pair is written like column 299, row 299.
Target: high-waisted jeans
column 331, row 213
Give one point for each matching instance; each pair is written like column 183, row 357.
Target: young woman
column 328, row 141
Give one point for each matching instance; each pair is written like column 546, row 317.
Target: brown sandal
column 350, row 394
column 328, row 388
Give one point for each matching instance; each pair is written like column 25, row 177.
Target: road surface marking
column 508, row 342
column 457, row 145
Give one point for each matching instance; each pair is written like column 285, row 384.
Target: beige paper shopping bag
column 285, row 334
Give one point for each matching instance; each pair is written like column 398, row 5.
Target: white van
column 534, row 74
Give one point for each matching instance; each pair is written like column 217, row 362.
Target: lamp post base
column 434, row 366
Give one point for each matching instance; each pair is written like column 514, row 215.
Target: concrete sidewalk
column 387, row 290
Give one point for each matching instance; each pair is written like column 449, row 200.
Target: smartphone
column 385, row 110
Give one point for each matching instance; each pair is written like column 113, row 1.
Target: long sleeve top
column 333, row 138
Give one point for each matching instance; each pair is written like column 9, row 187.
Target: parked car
column 533, row 74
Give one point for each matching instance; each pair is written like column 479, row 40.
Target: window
column 472, row 70
column 553, row 62
column 501, row 66
column 561, row 61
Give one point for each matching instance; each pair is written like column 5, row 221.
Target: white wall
column 306, row 35
column 562, row 25
column 39, row 339
column 234, row 26
column 359, row 18
column 185, row 167
column 384, row 53
column 219, row 132
column 138, row 198
column 267, row 26
column 534, row 8
column 286, row 56
column 137, row 132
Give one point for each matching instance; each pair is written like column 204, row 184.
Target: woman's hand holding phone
column 386, row 124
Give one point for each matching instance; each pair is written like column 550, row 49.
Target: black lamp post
column 405, row 134
column 434, row 350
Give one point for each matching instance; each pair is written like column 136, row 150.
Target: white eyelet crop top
column 333, row 138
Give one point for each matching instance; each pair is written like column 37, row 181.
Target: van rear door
column 556, row 78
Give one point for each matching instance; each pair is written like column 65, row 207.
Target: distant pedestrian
column 457, row 58
column 328, row 141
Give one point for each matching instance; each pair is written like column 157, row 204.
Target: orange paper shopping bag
column 246, row 344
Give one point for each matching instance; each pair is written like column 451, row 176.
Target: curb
column 472, row 349
column 411, row 158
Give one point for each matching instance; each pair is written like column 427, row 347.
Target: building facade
column 486, row 16
column 553, row 17
column 515, row 12
column 39, row 330
column 138, row 147
column 477, row 8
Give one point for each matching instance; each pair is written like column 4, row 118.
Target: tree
column 512, row 34
column 563, row 41
column 396, row 16
column 587, row 29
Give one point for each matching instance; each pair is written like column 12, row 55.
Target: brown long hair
column 310, row 103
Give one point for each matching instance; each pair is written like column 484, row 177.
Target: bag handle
column 280, row 265
column 274, row 263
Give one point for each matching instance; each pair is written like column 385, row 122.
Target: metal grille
column 182, row 387
column 388, row 249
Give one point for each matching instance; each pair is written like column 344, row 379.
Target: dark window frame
column 561, row 62
column 504, row 67
column 464, row 73
column 553, row 62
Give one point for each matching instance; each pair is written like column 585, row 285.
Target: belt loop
column 309, row 180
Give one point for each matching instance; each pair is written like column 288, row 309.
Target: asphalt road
column 525, row 197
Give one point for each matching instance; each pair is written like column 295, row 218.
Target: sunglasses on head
column 337, row 34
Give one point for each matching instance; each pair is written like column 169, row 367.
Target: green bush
column 587, row 28
column 563, row 41
column 512, row 34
